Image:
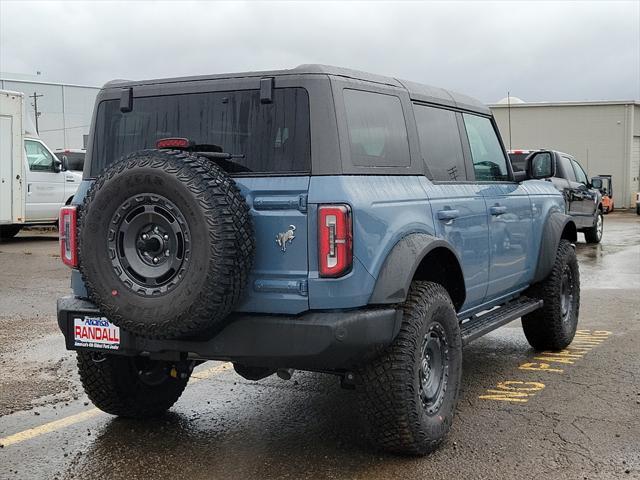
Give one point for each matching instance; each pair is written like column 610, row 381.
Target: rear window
column 273, row 137
column 569, row 174
column 377, row 130
column 518, row 161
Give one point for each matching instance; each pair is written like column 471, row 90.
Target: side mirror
column 596, row 183
column 57, row 165
column 541, row 165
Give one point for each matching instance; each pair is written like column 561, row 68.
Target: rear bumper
column 316, row 340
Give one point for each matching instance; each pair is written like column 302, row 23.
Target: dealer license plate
column 95, row 332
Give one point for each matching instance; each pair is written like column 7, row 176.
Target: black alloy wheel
column 434, row 368
column 149, row 244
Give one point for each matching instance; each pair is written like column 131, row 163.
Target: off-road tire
column 390, row 387
column 218, row 244
column 114, row 385
column 9, row 231
column 592, row 235
column 547, row 328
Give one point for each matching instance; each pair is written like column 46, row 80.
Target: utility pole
column 509, row 113
column 35, row 97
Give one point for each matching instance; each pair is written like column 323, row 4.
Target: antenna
column 509, row 112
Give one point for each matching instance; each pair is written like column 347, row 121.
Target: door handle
column 448, row 214
column 70, row 179
column 497, row 210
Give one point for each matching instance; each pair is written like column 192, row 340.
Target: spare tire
column 165, row 244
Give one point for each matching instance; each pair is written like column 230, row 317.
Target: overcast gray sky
column 537, row 50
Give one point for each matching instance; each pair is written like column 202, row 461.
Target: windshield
column 270, row 137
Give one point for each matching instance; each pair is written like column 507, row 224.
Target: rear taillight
column 335, row 240
column 68, row 236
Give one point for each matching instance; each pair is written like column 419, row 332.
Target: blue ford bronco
column 318, row 219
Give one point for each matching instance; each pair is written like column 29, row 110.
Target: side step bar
column 479, row 325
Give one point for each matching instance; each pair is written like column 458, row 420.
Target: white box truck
column 34, row 183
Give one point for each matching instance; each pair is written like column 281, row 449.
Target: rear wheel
column 133, row 387
column 410, row 391
column 9, row 231
column 594, row 234
column 553, row 326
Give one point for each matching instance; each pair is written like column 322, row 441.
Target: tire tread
column 388, row 400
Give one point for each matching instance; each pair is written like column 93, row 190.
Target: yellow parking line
column 48, row 427
column 209, row 372
column 87, row 414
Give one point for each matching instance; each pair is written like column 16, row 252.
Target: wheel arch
column 558, row 226
column 419, row 256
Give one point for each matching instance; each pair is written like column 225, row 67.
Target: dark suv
column 583, row 201
column 317, row 218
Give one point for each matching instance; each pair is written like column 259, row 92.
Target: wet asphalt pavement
column 577, row 418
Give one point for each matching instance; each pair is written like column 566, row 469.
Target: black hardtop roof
column 417, row 91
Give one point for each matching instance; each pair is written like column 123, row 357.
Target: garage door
column 635, row 168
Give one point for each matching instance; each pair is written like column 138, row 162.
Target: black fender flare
column 551, row 234
column 401, row 264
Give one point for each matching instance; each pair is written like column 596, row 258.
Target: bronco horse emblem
column 284, row 237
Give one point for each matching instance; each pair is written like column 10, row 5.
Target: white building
column 604, row 136
column 65, row 110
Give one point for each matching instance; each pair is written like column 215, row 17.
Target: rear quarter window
column 273, row 137
column 377, row 129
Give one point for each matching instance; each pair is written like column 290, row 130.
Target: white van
column 33, row 182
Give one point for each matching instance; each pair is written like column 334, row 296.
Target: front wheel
column 594, row 234
column 553, row 326
column 9, row 231
column 134, row 387
column 409, row 392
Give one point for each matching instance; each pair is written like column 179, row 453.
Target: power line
column 65, row 128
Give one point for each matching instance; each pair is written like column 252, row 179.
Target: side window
column 440, row 143
column 567, row 168
column 580, row 175
column 489, row 162
column 377, row 130
column 38, row 157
